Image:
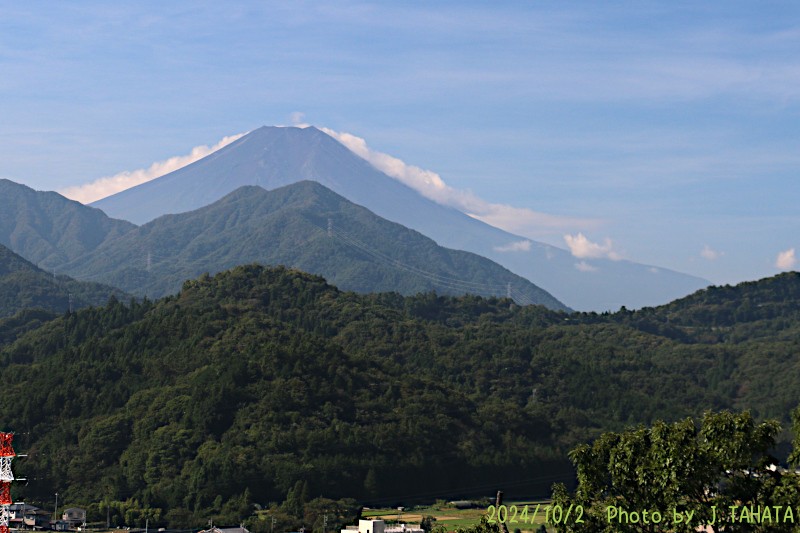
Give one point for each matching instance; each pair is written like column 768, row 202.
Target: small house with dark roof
column 75, row 516
column 37, row 519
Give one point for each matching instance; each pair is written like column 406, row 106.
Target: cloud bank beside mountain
column 103, row 187
column 520, row 221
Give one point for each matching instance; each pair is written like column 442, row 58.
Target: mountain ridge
column 49, row 229
column 304, row 225
column 273, row 156
column 24, row 285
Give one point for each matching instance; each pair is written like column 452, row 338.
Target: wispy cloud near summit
column 520, row 221
column 517, row 220
column 100, row 188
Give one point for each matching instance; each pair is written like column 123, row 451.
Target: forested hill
column 246, row 381
column 23, row 285
column 306, row 226
column 766, row 308
column 289, row 225
column 252, row 380
column 48, row 229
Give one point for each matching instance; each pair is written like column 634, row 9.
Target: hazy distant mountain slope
column 48, row 229
column 289, row 225
column 23, row 285
column 272, row 157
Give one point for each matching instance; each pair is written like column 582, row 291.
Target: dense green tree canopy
column 23, row 285
column 674, row 478
column 252, row 380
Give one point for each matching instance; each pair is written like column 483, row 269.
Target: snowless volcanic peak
column 272, row 157
column 269, row 157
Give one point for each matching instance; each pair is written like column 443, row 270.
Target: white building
column 379, row 526
column 366, row 526
column 403, row 528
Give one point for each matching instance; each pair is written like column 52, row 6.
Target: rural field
column 452, row 518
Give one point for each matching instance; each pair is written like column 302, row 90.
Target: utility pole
column 273, row 524
column 56, row 511
column 325, row 524
column 108, row 516
column 499, row 502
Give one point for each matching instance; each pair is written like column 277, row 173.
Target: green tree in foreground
column 484, row 526
column 675, row 478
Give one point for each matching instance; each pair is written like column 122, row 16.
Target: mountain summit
column 307, row 226
column 272, row 157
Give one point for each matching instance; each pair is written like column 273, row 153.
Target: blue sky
column 672, row 125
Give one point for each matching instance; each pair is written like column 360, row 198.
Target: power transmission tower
column 6, row 477
column 325, row 524
column 508, row 289
column 330, row 227
column 149, row 261
column 274, row 520
column 70, row 302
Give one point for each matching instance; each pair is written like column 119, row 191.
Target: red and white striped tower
column 6, row 477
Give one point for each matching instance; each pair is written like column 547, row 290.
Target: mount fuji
column 272, row 157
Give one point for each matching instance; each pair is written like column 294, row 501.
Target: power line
column 448, row 281
column 349, row 239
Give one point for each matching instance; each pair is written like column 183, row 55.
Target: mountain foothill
column 246, row 385
column 25, row 286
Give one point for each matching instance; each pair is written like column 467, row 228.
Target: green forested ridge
column 48, row 229
column 288, row 226
column 23, row 285
column 13, row 327
column 722, row 314
column 239, row 383
column 249, row 382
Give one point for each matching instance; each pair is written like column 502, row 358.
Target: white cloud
column 431, row 185
column 786, row 260
column 711, row 255
column 519, row 246
column 583, row 248
column 654, row 270
column 91, row 192
column 583, row 266
column 297, row 117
